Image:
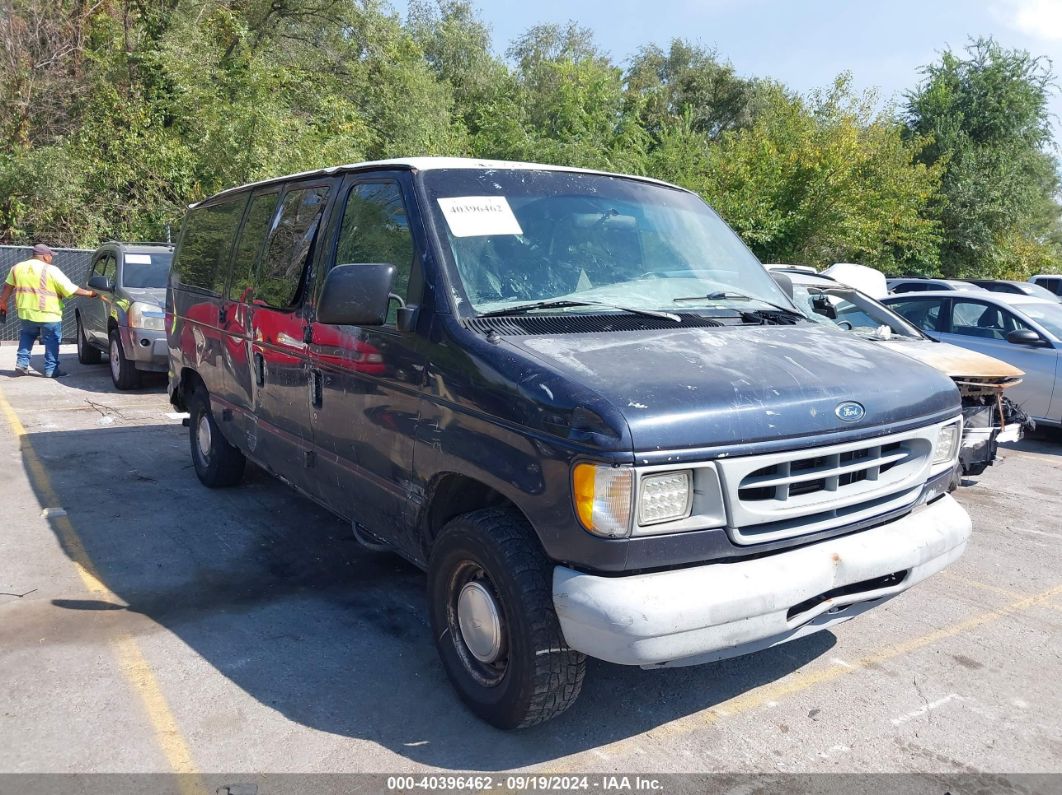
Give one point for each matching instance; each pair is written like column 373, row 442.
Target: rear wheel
column 86, row 353
column 217, row 463
column 491, row 601
column 123, row 374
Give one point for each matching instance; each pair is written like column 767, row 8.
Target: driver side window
column 977, row 319
column 375, row 229
column 107, row 267
column 110, row 270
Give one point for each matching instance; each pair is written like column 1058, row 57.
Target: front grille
column 788, row 479
column 782, row 495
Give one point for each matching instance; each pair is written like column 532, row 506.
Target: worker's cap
column 43, row 250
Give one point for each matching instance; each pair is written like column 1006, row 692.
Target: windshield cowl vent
column 581, row 324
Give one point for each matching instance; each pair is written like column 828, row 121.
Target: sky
column 804, row 44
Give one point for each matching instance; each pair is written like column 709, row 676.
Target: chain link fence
column 74, row 262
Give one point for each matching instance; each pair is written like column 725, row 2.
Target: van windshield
column 519, row 236
column 146, row 270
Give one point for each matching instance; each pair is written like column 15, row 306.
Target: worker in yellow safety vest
column 39, row 289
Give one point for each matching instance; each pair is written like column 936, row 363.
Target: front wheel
column 217, row 463
column 491, row 602
column 86, row 353
column 123, row 373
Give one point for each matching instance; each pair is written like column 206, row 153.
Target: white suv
column 1052, row 282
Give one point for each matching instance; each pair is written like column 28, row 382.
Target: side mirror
column 101, row 284
column 1024, row 336
column 783, row 281
column 356, row 295
column 822, row 306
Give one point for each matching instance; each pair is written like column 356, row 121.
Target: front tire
column 491, row 601
column 217, row 463
column 123, row 374
column 86, row 353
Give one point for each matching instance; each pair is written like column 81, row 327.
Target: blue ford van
column 575, row 399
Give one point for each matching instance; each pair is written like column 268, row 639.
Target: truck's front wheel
column 123, row 373
column 491, row 601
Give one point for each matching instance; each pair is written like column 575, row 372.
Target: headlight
column 146, row 316
column 664, row 497
column 603, row 498
column 947, row 445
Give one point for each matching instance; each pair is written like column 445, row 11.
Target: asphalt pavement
column 148, row 624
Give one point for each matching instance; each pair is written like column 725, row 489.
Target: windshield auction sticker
column 478, row 216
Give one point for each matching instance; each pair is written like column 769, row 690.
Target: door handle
column 316, row 388
column 259, row 369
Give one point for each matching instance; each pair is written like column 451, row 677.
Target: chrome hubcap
column 202, row 435
column 480, row 622
column 116, row 362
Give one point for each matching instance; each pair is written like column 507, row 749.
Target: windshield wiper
column 723, row 295
column 563, row 303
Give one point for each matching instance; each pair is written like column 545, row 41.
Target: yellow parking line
column 1007, row 592
column 131, row 660
column 804, row 680
column 947, row 574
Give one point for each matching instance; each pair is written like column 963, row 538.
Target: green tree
column 820, row 180
column 688, row 83
column 457, row 47
column 570, row 98
column 984, row 113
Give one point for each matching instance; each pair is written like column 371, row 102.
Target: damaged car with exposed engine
column 990, row 417
column 575, row 399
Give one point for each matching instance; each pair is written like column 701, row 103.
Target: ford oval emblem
column 850, row 411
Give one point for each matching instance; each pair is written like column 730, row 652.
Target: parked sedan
column 1019, row 329
column 897, row 286
column 1015, row 288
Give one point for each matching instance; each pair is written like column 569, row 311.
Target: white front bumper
column 704, row 613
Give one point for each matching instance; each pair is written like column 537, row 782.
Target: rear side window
column 280, row 276
column 252, row 236
column 926, row 313
column 203, row 256
column 375, row 228
column 1048, row 283
column 910, row 287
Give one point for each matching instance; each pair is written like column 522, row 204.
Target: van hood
column 703, row 387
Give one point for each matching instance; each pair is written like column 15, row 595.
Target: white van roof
column 434, row 164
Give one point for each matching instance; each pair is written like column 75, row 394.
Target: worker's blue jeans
column 50, row 333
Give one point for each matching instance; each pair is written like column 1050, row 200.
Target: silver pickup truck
column 126, row 320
